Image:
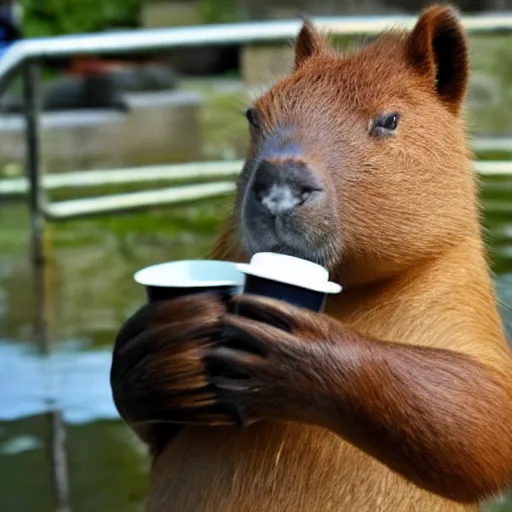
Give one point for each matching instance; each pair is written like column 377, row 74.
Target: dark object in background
column 204, row 60
column 87, row 92
column 100, row 87
column 128, row 76
column 10, row 30
column 72, row 93
column 104, row 86
column 148, row 77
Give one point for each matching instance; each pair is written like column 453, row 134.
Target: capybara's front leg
column 438, row 417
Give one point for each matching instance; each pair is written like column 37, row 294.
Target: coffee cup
column 170, row 280
column 299, row 282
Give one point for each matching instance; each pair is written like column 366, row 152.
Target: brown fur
column 399, row 397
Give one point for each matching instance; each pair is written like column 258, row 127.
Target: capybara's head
column 359, row 161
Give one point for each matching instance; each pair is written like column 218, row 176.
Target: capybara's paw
column 157, row 371
column 261, row 366
column 190, row 308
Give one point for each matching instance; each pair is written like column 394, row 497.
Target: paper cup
column 293, row 280
column 166, row 281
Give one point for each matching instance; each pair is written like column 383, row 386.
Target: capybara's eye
column 386, row 123
column 252, row 116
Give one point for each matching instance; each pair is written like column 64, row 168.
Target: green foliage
column 57, row 17
column 212, row 11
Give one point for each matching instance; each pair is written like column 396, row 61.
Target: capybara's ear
column 437, row 48
column 309, row 42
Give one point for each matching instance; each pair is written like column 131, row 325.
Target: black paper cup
column 167, row 281
column 292, row 280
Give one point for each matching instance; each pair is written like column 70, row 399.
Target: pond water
column 62, row 445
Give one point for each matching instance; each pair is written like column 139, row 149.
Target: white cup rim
column 190, row 274
column 290, row 270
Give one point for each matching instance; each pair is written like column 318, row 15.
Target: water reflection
column 70, row 380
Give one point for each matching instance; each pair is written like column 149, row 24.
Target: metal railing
column 150, row 40
column 26, row 57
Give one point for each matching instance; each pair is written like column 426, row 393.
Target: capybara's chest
column 278, row 467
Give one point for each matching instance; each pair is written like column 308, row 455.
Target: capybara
column 398, row 397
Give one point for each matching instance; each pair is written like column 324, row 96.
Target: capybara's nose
column 282, row 186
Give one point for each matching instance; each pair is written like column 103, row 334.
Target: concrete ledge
column 158, row 128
